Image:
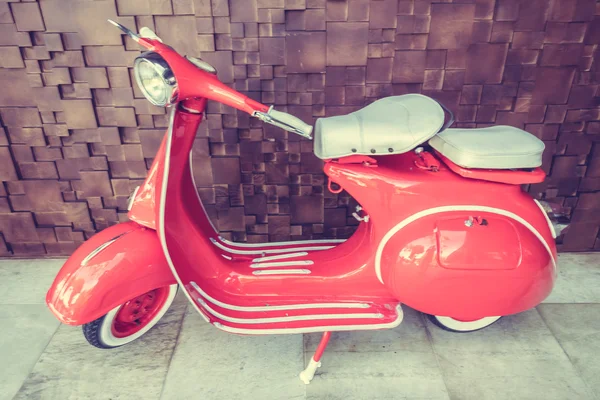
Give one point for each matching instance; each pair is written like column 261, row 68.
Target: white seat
column 496, row 147
column 391, row 125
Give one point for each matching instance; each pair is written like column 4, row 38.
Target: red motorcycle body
column 435, row 239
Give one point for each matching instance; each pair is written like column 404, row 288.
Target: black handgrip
column 450, row 120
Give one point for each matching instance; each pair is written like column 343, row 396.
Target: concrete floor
column 552, row 352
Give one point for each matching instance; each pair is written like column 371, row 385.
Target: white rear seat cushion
column 391, row 125
column 496, row 147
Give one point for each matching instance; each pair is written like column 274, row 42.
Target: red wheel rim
column 135, row 314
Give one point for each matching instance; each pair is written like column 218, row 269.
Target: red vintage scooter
column 446, row 230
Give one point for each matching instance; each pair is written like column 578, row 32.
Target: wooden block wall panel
column 76, row 135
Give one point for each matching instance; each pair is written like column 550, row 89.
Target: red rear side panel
column 448, row 245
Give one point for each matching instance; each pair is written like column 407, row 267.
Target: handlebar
column 194, row 81
column 285, row 121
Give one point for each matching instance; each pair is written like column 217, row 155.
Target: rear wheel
column 129, row 321
column 455, row 325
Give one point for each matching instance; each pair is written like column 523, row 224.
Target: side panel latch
column 426, row 160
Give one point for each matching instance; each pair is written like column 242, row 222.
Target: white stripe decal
column 273, row 320
column 280, row 257
column 161, row 211
column 274, row 308
column 281, row 264
column 437, row 210
column 310, row 329
column 552, row 230
column 296, row 242
column 198, row 194
column 267, row 251
column 281, row 272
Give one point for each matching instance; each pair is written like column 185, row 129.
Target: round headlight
column 155, row 79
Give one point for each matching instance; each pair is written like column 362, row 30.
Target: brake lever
column 127, row 31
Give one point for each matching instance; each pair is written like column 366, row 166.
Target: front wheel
column 129, row 321
column 455, row 325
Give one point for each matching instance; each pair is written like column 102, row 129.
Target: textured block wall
column 76, row 136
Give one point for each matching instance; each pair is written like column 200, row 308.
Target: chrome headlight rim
column 163, row 71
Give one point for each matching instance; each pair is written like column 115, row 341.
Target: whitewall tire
column 454, row 325
column 127, row 322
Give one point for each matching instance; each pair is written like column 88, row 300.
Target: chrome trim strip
column 267, row 251
column 99, row 249
column 274, row 308
column 280, row 257
column 244, row 331
column 272, row 320
column 281, row 272
column 291, row 243
column 282, row 264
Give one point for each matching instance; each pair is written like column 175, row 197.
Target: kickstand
column 315, row 362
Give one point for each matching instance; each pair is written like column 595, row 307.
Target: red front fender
column 115, row 265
